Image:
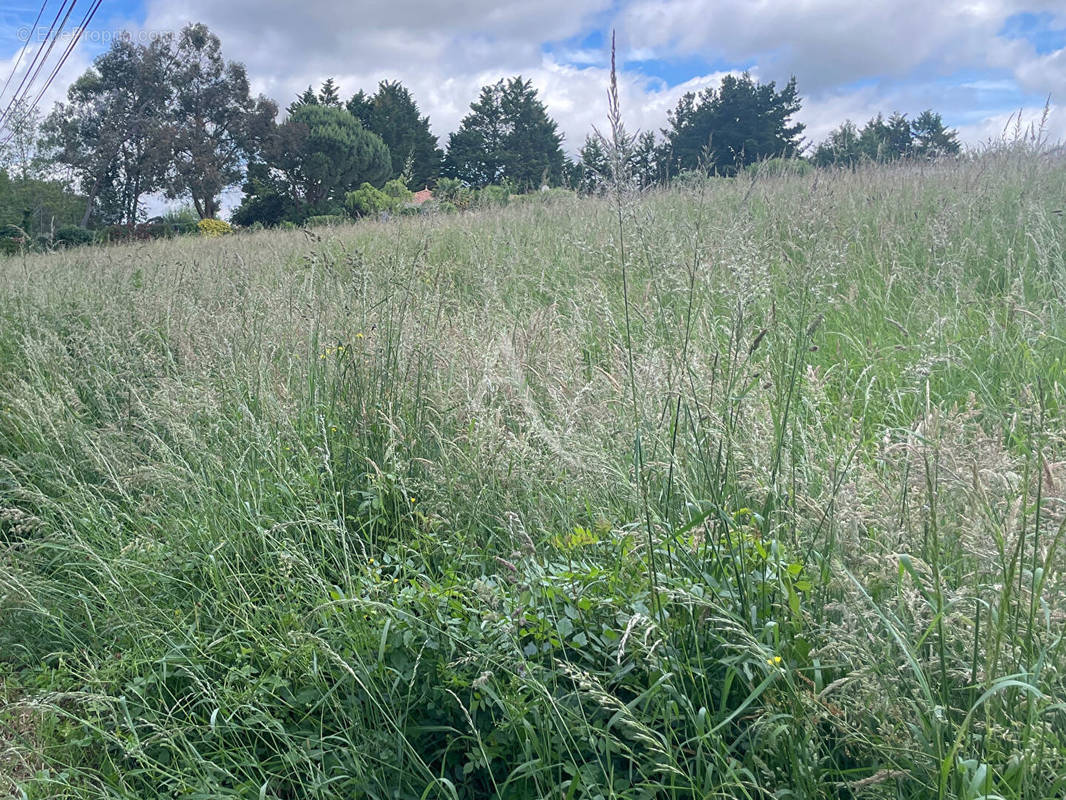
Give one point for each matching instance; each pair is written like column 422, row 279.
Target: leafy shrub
column 214, row 227
column 180, row 217
column 73, row 236
column 14, row 240
column 454, row 191
column 397, row 191
column 155, row 230
column 493, row 196
column 270, row 209
column 368, row 200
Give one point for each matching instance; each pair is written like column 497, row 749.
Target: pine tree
column 932, row 139
column 507, row 135
column 310, row 162
column 328, row 95
column 640, row 159
column 594, row 166
column 475, row 151
column 532, row 154
column 898, row 143
column 393, row 115
column 737, row 124
column 645, row 161
column 883, row 141
column 307, row 98
column 888, row 140
column 840, row 147
column 360, row 107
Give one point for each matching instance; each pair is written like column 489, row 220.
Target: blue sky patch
column 1036, row 29
column 675, row 71
column 594, row 49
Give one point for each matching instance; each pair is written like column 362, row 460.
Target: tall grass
column 361, row 515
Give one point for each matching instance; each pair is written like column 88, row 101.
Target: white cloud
column 75, row 65
column 1045, row 74
column 851, row 59
column 444, row 52
column 824, row 42
column 1027, row 121
column 829, row 43
column 321, row 35
column 577, row 98
column 990, row 86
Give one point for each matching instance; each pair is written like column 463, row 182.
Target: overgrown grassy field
column 737, row 490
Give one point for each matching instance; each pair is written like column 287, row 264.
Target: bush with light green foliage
column 493, row 195
column 368, row 200
column 455, row 192
column 397, row 191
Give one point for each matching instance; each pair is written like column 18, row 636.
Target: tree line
column 888, row 140
column 173, row 117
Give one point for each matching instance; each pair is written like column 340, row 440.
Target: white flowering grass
column 435, row 508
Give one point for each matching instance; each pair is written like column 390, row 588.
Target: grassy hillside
column 734, row 490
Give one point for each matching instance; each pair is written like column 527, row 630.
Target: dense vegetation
column 173, row 119
column 745, row 488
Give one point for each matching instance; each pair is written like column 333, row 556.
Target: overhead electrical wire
column 34, row 65
column 26, row 87
column 22, row 52
column 48, row 52
column 85, row 20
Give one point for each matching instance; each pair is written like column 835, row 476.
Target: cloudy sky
column 976, row 61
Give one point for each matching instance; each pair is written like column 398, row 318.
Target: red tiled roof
column 421, row 197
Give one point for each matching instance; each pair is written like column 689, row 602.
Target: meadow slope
column 729, row 490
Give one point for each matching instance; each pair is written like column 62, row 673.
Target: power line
column 85, row 20
column 47, row 53
column 19, row 95
column 22, row 52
